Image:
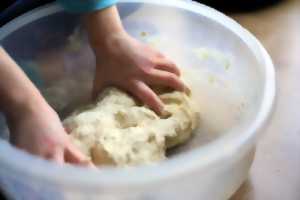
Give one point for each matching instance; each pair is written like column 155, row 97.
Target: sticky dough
column 118, row 131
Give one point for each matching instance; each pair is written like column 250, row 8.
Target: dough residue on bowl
column 117, row 130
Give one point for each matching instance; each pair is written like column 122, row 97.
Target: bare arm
column 34, row 125
column 127, row 63
column 16, row 91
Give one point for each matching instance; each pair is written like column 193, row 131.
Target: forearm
column 103, row 26
column 17, row 92
column 101, row 19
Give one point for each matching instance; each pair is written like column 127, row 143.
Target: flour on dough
column 118, row 131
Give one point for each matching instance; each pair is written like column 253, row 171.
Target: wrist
column 18, row 95
column 103, row 26
column 111, row 44
column 20, row 106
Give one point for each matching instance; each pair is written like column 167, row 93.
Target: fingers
column 146, row 95
column 73, row 155
column 57, row 156
column 164, row 78
column 70, row 155
column 167, row 65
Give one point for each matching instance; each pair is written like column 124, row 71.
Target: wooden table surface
column 275, row 174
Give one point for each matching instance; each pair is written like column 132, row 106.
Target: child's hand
column 127, row 63
column 34, row 125
column 38, row 130
column 133, row 66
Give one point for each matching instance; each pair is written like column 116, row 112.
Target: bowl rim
column 194, row 160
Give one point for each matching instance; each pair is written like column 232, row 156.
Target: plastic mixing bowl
column 230, row 73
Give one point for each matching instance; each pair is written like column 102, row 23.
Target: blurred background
column 275, row 173
column 13, row 8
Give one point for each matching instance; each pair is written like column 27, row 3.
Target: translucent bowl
column 230, row 73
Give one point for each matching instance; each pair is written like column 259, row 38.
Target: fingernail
column 187, row 91
column 87, row 163
column 164, row 113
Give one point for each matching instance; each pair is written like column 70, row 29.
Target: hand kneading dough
column 118, row 131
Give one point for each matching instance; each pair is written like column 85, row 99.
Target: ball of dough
column 116, row 130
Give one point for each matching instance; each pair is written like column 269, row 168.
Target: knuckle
column 152, row 62
column 130, row 84
column 155, row 62
column 133, row 87
column 151, row 101
column 150, row 96
column 160, row 55
column 172, row 78
column 147, row 70
column 51, row 143
column 173, row 65
column 146, row 95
